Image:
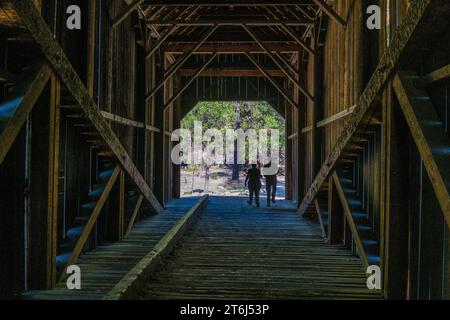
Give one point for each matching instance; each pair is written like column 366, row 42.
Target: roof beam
column 229, row 22
column 231, row 72
column 273, row 81
column 231, row 48
column 330, row 12
column 228, row 3
column 280, row 65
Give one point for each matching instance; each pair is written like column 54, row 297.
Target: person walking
column 271, row 186
column 253, row 180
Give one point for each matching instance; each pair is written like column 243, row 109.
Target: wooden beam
column 429, row 135
column 273, row 81
column 161, row 41
column 231, row 72
column 330, row 12
column 373, row 90
column 231, row 48
column 350, row 221
column 92, row 220
column 280, row 65
column 22, row 106
column 319, row 216
column 126, row 13
column 188, row 83
column 227, row 3
column 134, row 216
column 297, row 39
column 177, row 65
column 434, row 77
column 61, row 64
column 137, row 277
column 230, row 22
column 128, row 122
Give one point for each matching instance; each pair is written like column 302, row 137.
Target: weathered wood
column 136, row 277
column 92, row 220
column 429, row 135
column 280, row 65
column 319, row 216
column 179, row 63
column 432, row 78
column 126, row 13
column 197, row 73
column 370, row 95
column 273, row 81
column 241, row 252
column 59, row 61
column 330, row 12
column 134, row 216
column 25, row 104
column 350, row 221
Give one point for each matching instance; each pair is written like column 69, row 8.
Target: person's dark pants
column 254, row 192
column 271, row 189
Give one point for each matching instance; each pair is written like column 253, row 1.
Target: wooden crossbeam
column 92, row 220
column 434, row 77
column 134, row 216
column 319, row 216
column 126, row 12
column 290, row 32
column 230, row 22
column 277, row 62
column 231, row 48
column 370, row 95
column 188, row 83
column 273, row 81
column 429, row 135
column 330, row 12
column 350, row 221
column 177, row 65
column 161, row 41
column 62, row 66
column 23, row 106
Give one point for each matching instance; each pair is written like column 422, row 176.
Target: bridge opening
column 256, row 124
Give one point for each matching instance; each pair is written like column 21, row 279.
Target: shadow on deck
column 236, row 251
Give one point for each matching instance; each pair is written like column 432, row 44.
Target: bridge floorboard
column 238, row 252
column 106, row 265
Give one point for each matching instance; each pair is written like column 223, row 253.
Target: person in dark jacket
column 253, row 180
column 271, row 186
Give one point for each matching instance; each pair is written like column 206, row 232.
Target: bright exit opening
column 228, row 179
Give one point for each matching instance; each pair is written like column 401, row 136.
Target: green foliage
column 222, row 116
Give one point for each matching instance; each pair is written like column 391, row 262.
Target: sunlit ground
column 220, row 183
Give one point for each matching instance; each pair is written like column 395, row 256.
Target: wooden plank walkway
column 105, row 266
column 238, row 252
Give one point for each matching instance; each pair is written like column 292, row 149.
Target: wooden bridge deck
column 238, row 252
column 105, row 266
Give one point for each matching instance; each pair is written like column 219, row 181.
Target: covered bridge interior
column 87, row 114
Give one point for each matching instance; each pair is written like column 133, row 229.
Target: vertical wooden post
column 335, row 215
column 91, row 45
column 395, row 208
column 121, row 211
column 289, row 150
column 176, row 175
column 44, row 171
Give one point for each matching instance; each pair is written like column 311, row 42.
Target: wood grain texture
column 429, row 135
column 240, row 252
column 103, row 267
column 370, row 95
column 62, row 66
